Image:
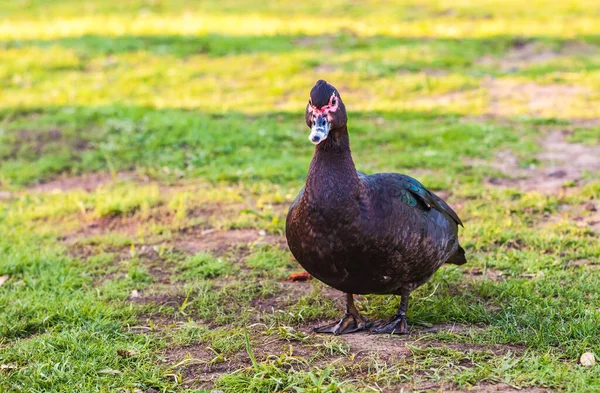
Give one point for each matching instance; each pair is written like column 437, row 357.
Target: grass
column 149, row 151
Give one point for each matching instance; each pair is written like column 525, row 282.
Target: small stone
column 262, row 233
column 590, row 207
column 134, row 294
column 588, row 359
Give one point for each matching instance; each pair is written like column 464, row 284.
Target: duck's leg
column 397, row 325
column 350, row 323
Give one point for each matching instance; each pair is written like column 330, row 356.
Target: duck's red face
column 325, row 111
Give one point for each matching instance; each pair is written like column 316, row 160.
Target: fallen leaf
column 588, row 359
column 126, row 353
column 3, row 279
column 8, row 367
column 109, row 371
column 302, row 276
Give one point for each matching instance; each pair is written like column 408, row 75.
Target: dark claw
column 349, row 324
column 397, row 325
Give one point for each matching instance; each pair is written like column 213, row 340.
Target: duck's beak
column 319, row 129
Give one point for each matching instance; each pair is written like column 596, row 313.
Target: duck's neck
column 332, row 177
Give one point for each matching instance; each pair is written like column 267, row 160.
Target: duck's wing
column 395, row 188
column 296, row 201
column 411, row 192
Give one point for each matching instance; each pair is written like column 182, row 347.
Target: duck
column 382, row 234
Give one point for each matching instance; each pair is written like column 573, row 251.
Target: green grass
column 173, row 138
column 203, row 265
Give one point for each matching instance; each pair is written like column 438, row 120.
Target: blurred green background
column 149, row 151
column 217, row 89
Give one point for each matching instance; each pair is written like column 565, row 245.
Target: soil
column 526, row 54
column 88, row 182
column 509, row 98
column 562, row 163
column 221, row 241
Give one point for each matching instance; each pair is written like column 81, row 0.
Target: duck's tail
column 458, row 258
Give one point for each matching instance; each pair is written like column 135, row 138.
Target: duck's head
column 325, row 112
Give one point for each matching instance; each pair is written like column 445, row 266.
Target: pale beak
column 319, row 130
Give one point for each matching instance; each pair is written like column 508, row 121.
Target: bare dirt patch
column 582, row 215
column 325, row 68
column 524, row 54
column 444, row 100
column 193, row 233
column 157, row 240
column 219, row 242
column 324, row 42
column 568, row 160
column 582, row 263
column 87, row 182
column 563, row 163
column 510, row 98
column 199, row 366
column 6, row 195
column 124, row 225
column 289, row 294
column 39, row 141
column 477, row 273
column 365, row 345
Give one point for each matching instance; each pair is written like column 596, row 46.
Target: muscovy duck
column 365, row 234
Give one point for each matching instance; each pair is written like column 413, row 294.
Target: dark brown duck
column 365, row 234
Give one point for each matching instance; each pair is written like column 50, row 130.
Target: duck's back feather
column 411, row 192
column 395, row 196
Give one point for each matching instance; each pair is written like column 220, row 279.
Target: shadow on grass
column 41, row 143
column 222, row 45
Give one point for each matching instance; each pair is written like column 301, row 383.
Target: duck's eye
column 310, row 102
column 333, row 101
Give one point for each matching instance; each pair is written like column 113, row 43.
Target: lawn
column 149, row 150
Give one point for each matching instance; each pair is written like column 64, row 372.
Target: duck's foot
column 349, row 324
column 397, row 325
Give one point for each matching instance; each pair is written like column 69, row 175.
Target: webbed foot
column 397, row 325
column 350, row 323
